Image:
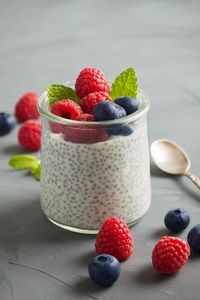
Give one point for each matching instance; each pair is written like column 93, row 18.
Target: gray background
column 43, row 42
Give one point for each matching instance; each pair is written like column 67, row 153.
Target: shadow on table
column 26, row 223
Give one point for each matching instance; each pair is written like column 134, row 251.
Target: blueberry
column 129, row 104
column 107, row 110
column 7, row 123
column 104, row 269
column 194, row 238
column 124, row 130
column 177, row 220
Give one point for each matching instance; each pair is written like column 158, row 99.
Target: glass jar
column 94, row 170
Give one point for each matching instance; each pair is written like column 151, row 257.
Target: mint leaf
column 58, row 92
column 36, row 171
column 22, row 162
column 125, row 84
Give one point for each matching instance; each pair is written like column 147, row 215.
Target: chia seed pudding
column 83, row 184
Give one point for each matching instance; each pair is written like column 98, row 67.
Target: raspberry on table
column 26, row 107
column 114, row 238
column 91, row 80
column 29, row 135
column 89, row 102
column 170, row 254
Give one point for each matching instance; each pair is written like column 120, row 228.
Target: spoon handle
column 194, row 178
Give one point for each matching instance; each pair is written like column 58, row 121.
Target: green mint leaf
column 125, row 84
column 58, row 92
column 22, row 162
column 36, row 171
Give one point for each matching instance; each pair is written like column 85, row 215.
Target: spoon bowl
column 172, row 159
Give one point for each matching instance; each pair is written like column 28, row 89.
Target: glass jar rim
column 143, row 109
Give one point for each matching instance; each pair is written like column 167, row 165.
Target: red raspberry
column 114, row 238
column 67, row 109
column 91, row 80
column 26, row 107
column 84, row 135
column 85, row 117
column 29, row 135
column 170, row 254
column 89, row 102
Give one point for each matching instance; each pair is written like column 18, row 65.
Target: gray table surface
column 43, row 42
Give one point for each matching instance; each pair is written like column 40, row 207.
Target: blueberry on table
column 107, row 110
column 104, row 269
column 129, row 104
column 177, row 220
column 194, row 238
column 123, row 130
column 7, row 123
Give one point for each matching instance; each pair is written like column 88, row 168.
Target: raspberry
column 29, row 135
column 85, row 117
column 91, row 80
column 84, row 135
column 66, row 109
column 114, row 238
column 89, row 102
column 170, row 254
column 26, row 107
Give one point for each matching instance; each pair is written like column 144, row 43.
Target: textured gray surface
column 50, row 41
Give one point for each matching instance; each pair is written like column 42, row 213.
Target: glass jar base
column 87, row 231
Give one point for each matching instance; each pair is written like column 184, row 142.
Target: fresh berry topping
column 91, row 80
column 84, row 135
column 67, row 109
column 177, row 220
column 170, row 254
column 29, row 135
column 89, row 102
column 7, row 123
column 123, row 130
column 129, row 104
column 85, row 117
column 114, row 238
column 194, row 238
column 104, row 269
column 26, row 107
column 108, row 110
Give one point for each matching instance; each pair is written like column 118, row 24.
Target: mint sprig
column 26, row 162
column 58, row 92
column 125, row 84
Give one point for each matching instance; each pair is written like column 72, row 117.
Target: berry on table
column 91, row 80
column 177, row 219
column 108, row 110
column 26, row 107
column 67, row 109
column 104, row 269
column 29, row 135
column 89, row 102
column 114, row 238
column 130, row 105
column 170, row 254
column 194, row 238
column 7, row 123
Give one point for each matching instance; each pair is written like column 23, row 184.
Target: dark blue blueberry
column 7, row 123
column 104, row 269
column 194, row 238
column 177, row 220
column 124, row 130
column 129, row 104
column 107, row 110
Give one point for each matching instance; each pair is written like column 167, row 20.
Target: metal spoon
column 172, row 159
